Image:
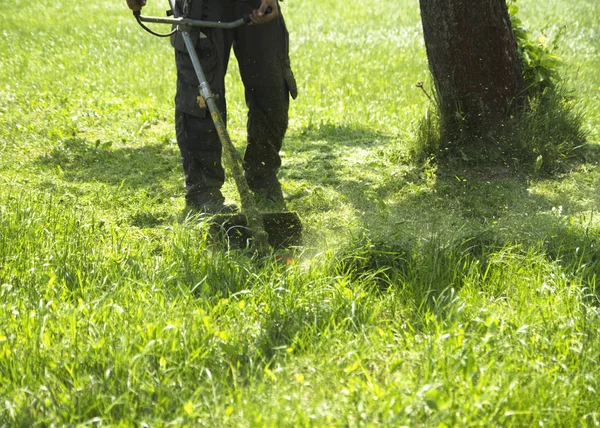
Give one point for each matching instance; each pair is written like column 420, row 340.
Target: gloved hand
column 136, row 5
column 259, row 16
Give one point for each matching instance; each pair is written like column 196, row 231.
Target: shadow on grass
column 335, row 134
column 330, row 157
column 81, row 160
column 140, row 174
column 427, row 223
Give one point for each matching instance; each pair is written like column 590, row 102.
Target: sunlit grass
column 421, row 296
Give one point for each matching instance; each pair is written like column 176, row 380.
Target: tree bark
column 473, row 57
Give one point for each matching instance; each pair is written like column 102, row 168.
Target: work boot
column 267, row 187
column 210, row 202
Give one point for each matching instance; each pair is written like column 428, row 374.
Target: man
column 262, row 53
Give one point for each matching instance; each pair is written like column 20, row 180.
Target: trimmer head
column 283, row 228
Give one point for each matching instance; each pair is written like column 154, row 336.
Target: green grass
column 423, row 296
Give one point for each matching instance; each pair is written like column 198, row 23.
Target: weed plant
column 422, row 295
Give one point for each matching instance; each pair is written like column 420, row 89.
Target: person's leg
column 262, row 54
column 201, row 160
column 197, row 137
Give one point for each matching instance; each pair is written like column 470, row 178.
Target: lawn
column 422, row 296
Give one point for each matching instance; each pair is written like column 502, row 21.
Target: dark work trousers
column 262, row 55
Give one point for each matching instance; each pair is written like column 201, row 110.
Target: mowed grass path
column 421, row 297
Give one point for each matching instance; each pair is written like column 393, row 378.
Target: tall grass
column 421, row 296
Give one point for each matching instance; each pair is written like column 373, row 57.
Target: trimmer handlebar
column 182, row 23
column 186, row 22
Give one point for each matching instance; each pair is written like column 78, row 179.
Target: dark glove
column 136, row 5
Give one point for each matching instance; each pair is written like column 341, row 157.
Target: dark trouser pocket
column 186, row 97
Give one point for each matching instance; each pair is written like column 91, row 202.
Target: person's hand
column 260, row 15
column 136, row 5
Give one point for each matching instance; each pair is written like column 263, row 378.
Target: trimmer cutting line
column 279, row 229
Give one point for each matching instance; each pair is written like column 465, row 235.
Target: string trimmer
column 279, row 229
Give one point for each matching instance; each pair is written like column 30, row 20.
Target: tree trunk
column 473, row 57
